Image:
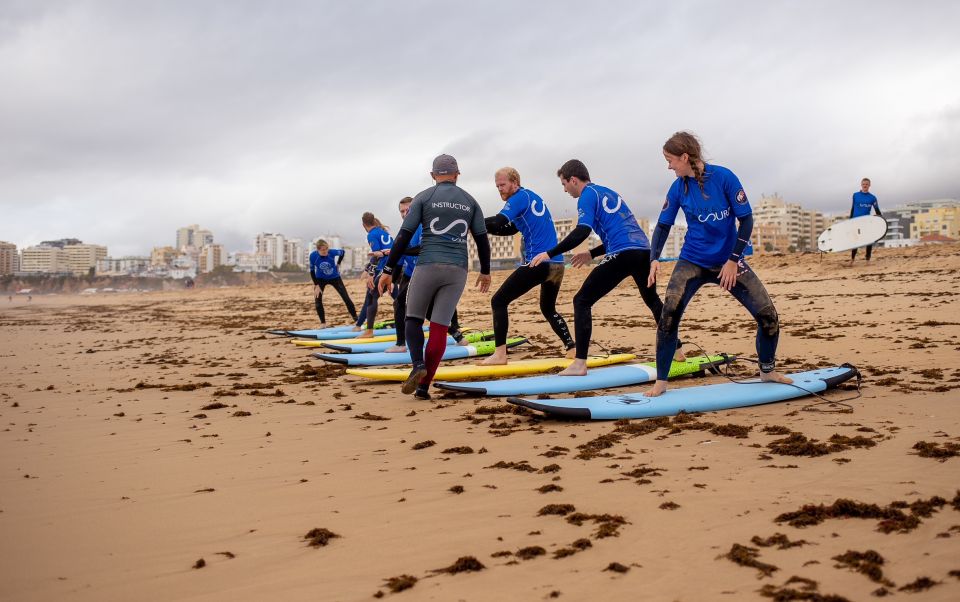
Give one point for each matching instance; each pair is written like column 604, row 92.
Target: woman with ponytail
column 712, row 200
column 380, row 243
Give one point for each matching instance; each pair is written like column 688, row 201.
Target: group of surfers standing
column 425, row 267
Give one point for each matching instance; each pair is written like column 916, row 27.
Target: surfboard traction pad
column 584, row 413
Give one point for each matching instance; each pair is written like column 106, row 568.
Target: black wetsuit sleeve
column 399, row 248
column 314, row 278
column 499, row 225
column 876, row 207
column 413, row 251
column 340, row 259
column 577, row 236
column 483, row 251
column 660, row 234
column 598, row 251
column 744, row 230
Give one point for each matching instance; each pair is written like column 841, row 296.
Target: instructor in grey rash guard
column 447, row 213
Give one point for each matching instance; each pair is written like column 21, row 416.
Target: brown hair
column 406, row 200
column 867, row 180
column 685, row 142
column 512, row 174
column 574, row 168
column 370, row 220
column 320, row 243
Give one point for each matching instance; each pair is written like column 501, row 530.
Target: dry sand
column 114, row 481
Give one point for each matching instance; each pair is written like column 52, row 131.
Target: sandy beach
column 160, row 446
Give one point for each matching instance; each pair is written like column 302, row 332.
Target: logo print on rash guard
column 741, row 197
column 533, row 207
column 326, row 268
column 611, row 209
column 714, row 216
column 387, row 237
column 453, row 224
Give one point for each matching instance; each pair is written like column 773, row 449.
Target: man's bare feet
column 499, row 357
column 366, row 334
column 464, row 342
column 775, row 377
column 396, row 349
column 577, row 367
column 356, row 329
column 571, row 353
column 323, row 325
column 679, row 355
column 659, row 388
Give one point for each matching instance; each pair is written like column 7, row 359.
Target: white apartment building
column 42, row 259
column 295, row 252
column 273, row 245
column 81, row 258
column 210, row 257
column 122, row 266
column 252, row 262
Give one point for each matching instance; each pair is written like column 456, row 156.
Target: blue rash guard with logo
column 607, row 214
column 863, row 202
column 527, row 211
column 711, row 214
column 410, row 261
column 380, row 240
column 325, row 268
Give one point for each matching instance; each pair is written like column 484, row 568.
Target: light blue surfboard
column 388, row 359
column 705, row 398
column 596, row 378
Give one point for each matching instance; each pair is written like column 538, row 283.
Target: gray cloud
column 122, row 121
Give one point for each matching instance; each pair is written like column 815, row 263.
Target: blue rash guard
column 325, row 268
column 607, row 214
column 711, row 214
column 410, row 261
column 863, row 203
column 527, row 211
column 380, row 240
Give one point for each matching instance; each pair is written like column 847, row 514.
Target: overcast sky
column 122, row 121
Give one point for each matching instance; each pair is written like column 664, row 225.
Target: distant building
column 942, row 221
column 122, row 266
column 294, row 252
column 210, row 257
column 273, row 245
column 674, row 242
column 193, row 236
column 9, row 258
column 82, row 258
column 900, row 220
column 163, row 256
column 183, row 267
column 789, row 223
column 252, row 262
column 44, row 259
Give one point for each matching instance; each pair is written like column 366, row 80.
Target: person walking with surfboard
column 447, row 213
column 380, row 243
column 863, row 203
column 525, row 212
column 624, row 246
column 324, row 271
column 712, row 198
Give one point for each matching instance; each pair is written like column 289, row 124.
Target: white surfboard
column 852, row 234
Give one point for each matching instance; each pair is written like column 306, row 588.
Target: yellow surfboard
column 383, row 338
column 514, row 368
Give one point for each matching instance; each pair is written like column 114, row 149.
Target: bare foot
column 499, row 358
column 396, row 349
column 577, row 367
column 571, row 353
column 464, row 342
column 659, row 388
column 366, row 334
column 679, row 355
column 356, row 329
column 323, row 325
column 775, row 377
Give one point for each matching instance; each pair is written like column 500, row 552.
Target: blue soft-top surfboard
column 311, row 333
column 339, row 334
column 596, row 378
column 359, row 347
column 388, row 359
column 705, row 398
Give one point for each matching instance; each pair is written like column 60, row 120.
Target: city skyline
column 257, row 120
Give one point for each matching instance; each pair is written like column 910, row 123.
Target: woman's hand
column 654, row 268
column 539, row 259
column 580, row 259
column 728, row 275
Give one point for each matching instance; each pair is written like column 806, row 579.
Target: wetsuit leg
column 400, row 310
column 318, row 303
column 853, row 254
column 341, row 288
column 602, row 279
column 374, row 296
column 685, row 281
column 549, row 289
column 869, row 251
column 750, row 292
column 362, row 316
column 517, row 284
